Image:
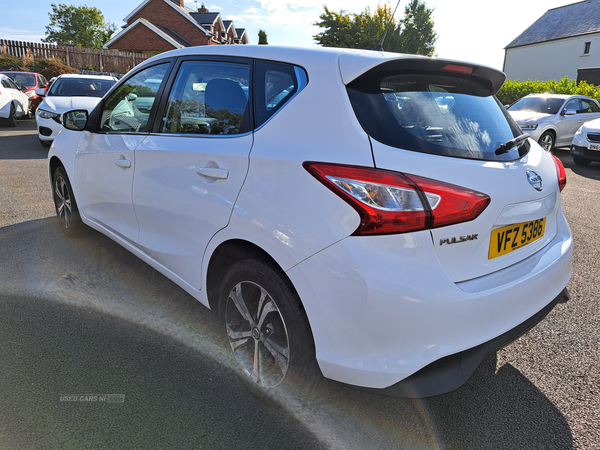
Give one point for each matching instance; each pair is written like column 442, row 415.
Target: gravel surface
column 83, row 318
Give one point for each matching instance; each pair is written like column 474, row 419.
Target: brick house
column 162, row 25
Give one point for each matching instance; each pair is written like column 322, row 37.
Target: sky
column 469, row 30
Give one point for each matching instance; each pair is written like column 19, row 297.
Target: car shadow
column 21, row 142
column 591, row 171
column 83, row 318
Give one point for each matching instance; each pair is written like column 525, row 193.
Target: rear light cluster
column 393, row 202
column 560, row 172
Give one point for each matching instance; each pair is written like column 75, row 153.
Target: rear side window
column 444, row 114
column 276, row 84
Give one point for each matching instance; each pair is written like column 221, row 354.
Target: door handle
column 123, row 163
column 213, row 172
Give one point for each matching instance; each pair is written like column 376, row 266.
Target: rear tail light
column 560, row 172
column 393, row 202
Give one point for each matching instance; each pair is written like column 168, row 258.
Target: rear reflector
column 392, row 202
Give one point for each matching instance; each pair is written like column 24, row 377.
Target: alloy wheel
column 257, row 334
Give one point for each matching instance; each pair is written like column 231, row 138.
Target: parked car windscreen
column 22, row 79
column 437, row 113
column 80, row 87
column 543, row 105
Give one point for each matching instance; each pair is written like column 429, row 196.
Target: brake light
column 457, row 68
column 392, row 202
column 560, row 172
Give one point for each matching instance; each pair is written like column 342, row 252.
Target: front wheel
column 266, row 327
column 547, row 141
column 65, row 205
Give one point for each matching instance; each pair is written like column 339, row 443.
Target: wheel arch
column 226, row 255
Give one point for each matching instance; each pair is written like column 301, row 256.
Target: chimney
column 202, row 8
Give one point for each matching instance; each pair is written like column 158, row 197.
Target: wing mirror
column 40, row 92
column 570, row 112
column 75, row 120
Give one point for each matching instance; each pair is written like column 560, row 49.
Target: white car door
column 105, row 162
column 188, row 175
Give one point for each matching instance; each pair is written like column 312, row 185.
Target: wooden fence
column 79, row 58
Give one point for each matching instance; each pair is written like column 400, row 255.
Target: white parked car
column 382, row 222
column 66, row 93
column 13, row 103
column 553, row 119
column 585, row 147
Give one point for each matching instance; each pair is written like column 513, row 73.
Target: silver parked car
column 553, row 119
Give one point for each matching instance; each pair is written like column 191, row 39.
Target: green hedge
column 47, row 67
column 511, row 90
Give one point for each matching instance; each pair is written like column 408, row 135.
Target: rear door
column 190, row 170
column 445, row 124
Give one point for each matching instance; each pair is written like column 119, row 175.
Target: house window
column 586, row 48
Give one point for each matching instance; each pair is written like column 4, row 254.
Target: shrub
column 8, row 62
column 53, row 68
column 512, row 90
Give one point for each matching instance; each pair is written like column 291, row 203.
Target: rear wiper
column 504, row 148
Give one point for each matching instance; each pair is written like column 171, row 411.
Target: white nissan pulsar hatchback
column 375, row 218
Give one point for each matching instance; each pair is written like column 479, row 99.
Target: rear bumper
column 382, row 308
column 449, row 373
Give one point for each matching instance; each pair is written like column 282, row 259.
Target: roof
column 350, row 63
column 166, row 33
column 205, row 18
column 567, row 21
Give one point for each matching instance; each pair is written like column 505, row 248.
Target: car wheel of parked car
column 547, row 141
column 581, row 162
column 266, row 326
column 65, row 205
column 11, row 121
column 45, row 143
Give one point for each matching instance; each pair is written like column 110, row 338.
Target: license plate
column 594, row 147
column 507, row 239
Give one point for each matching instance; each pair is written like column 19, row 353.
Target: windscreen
column 80, row 87
column 438, row 113
column 24, row 80
column 543, row 105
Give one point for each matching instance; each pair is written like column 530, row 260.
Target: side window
column 128, row 108
column 209, row 97
column 572, row 104
column 589, row 107
column 275, row 84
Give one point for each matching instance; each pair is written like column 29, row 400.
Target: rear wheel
column 580, row 161
column 11, row 121
column 547, row 141
column 267, row 328
column 65, row 205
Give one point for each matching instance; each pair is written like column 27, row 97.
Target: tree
column 81, row 26
column 412, row 34
column 262, row 37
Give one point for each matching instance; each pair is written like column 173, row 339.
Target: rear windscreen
column 451, row 115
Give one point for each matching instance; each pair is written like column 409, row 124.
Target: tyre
column 45, row 143
column 580, row 161
column 547, row 141
column 267, row 329
column 65, row 205
column 12, row 117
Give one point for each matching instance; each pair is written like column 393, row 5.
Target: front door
column 105, row 160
